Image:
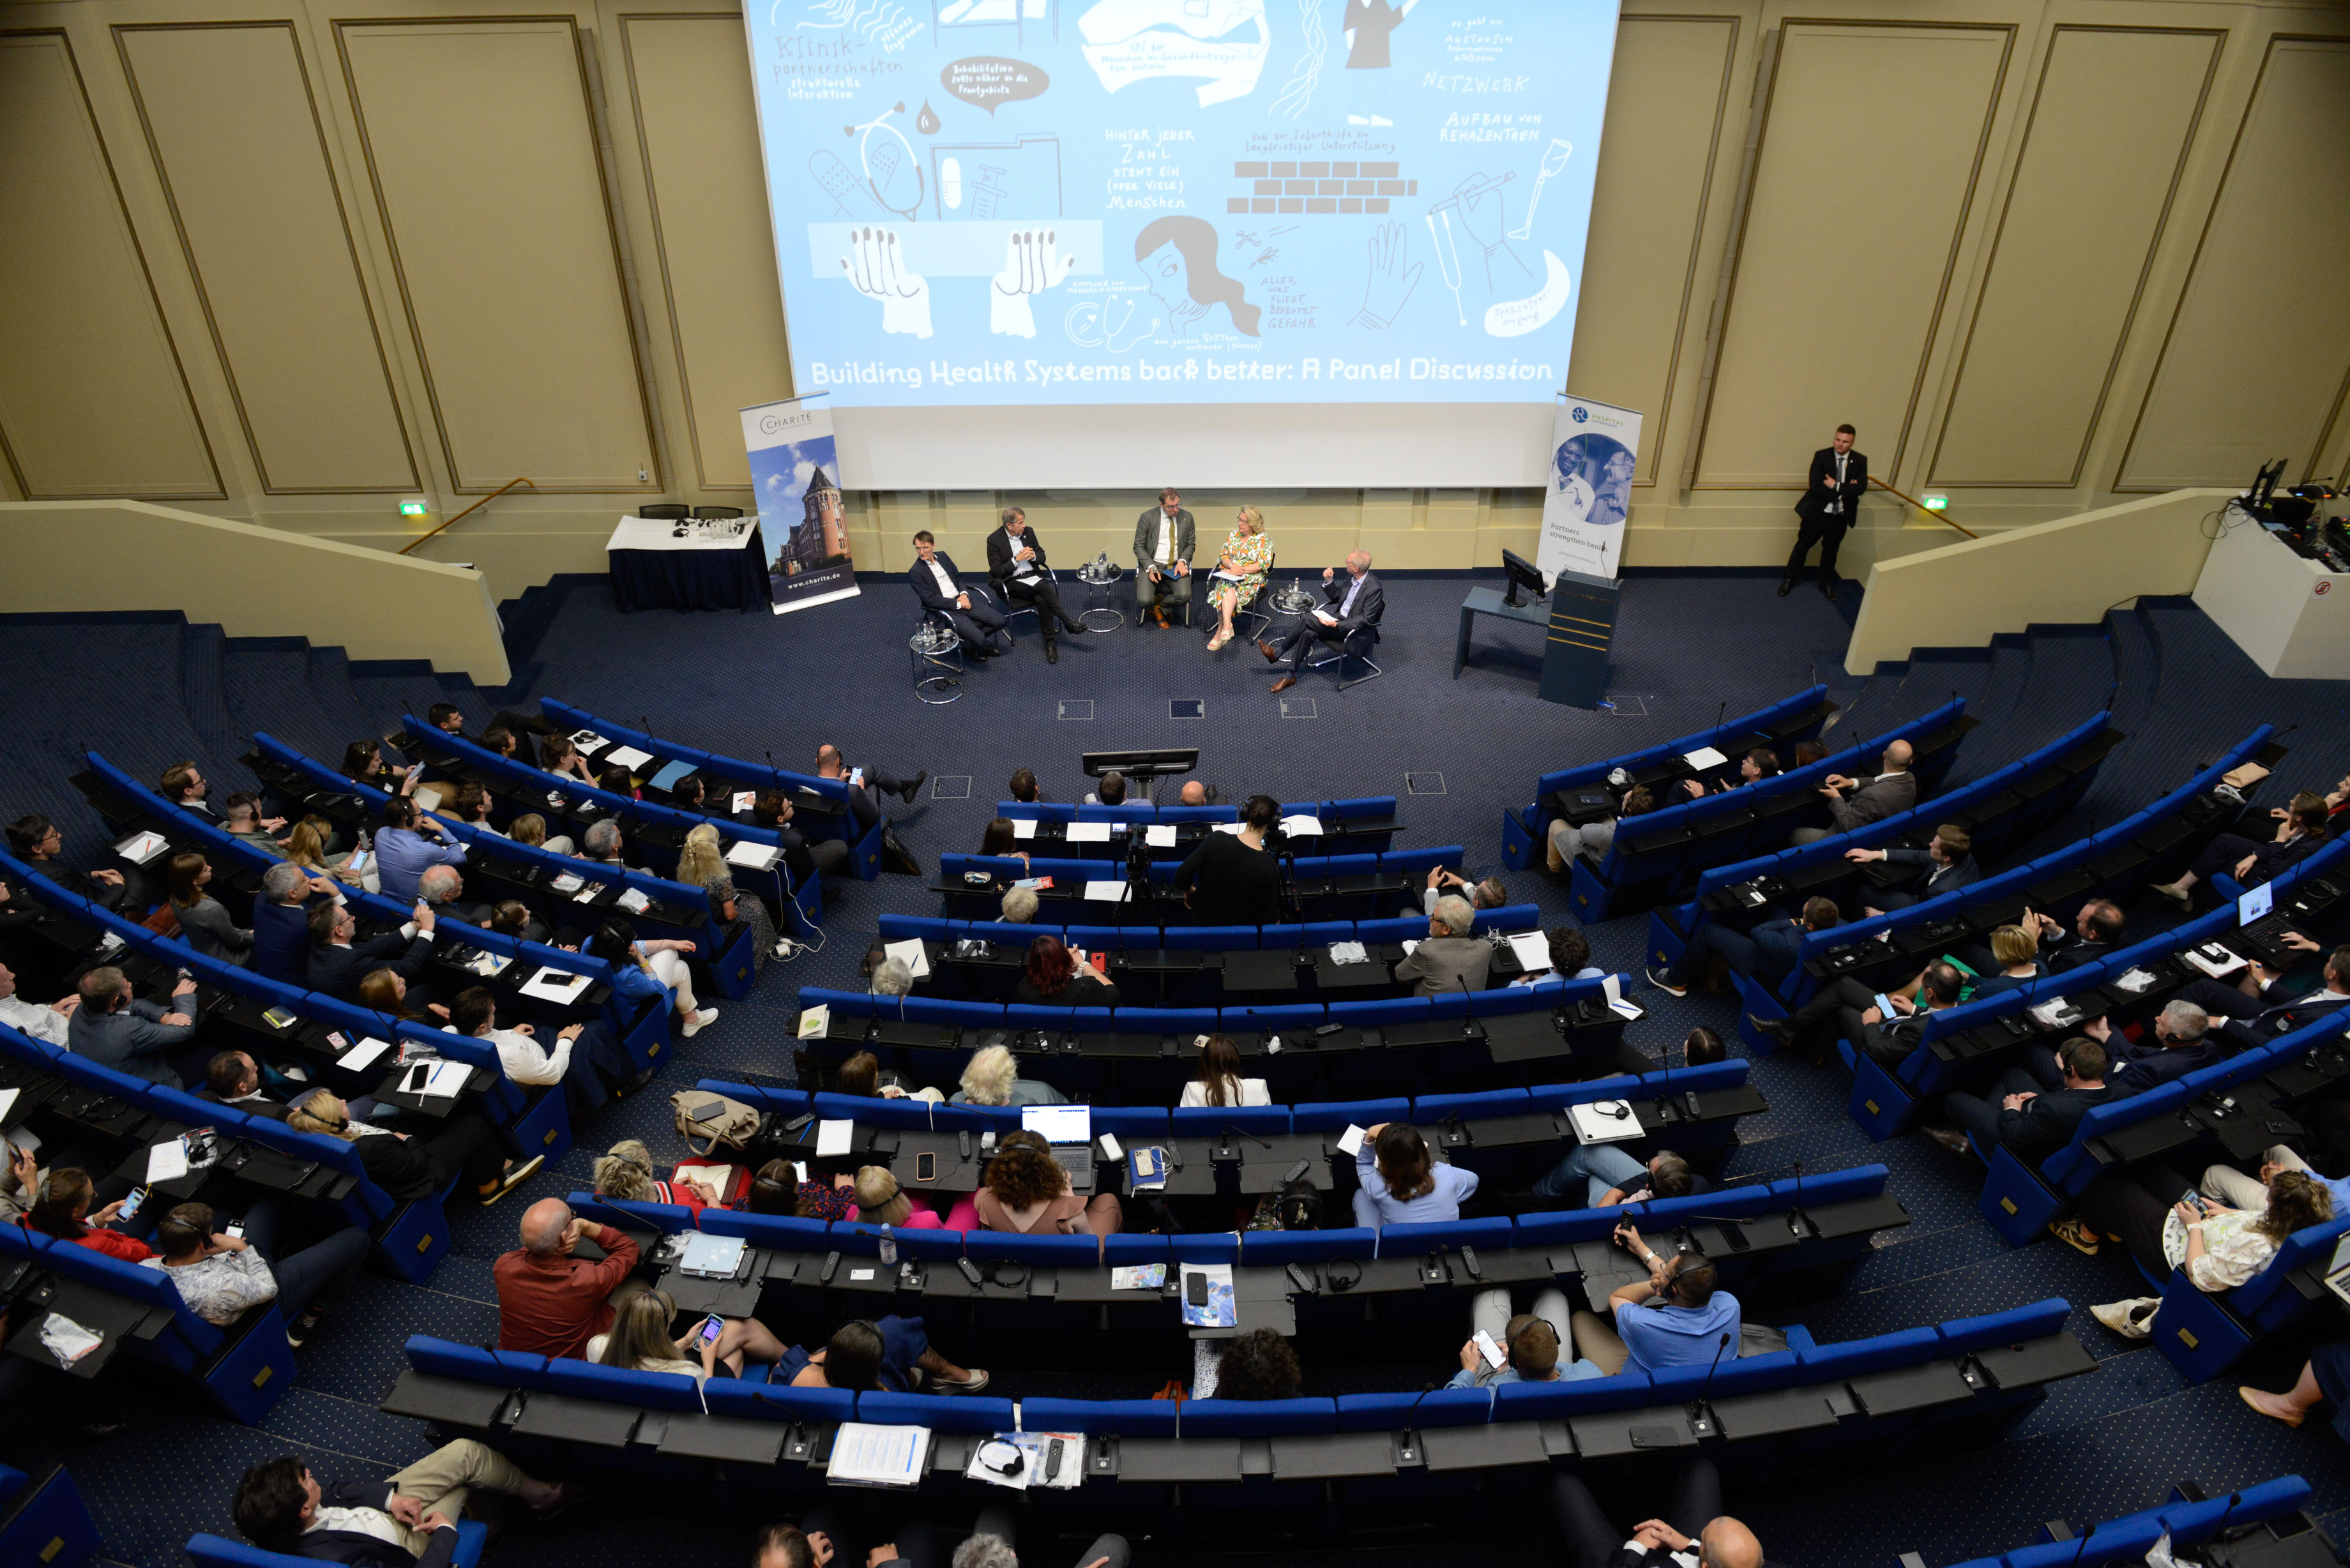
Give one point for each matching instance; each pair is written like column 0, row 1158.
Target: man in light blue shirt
column 408, row 845
column 1530, row 1355
column 1676, row 1317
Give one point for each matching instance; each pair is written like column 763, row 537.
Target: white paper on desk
column 1610, row 988
column 552, row 985
column 8, row 1101
column 1230, row 826
column 67, row 1340
column 2136, row 980
column 1350, row 1142
column 1160, row 835
column 1023, row 827
column 910, row 949
column 743, row 799
column 166, row 1161
column 587, row 739
column 142, row 847
column 446, row 1080
column 1704, row 757
column 750, row 853
column 815, row 1021
column 566, row 882
column 633, row 900
column 1106, row 892
column 1301, row 827
column 587, row 894
column 832, row 1137
column 361, row 1054
column 868, row 1455
column 628, row 757
column 1087, row 833
column 1533, row 948
column 2196, row 957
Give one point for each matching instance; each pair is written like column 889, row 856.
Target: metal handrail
column 1929, row 511
column 469, row 511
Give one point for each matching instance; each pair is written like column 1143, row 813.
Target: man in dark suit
column 2183, row 1042
column 1349, row 619
column 1882, row 1039
column 1893, row 791
column 2257, row 1019
column 1695, row 1532
column 1946, row 864
column 1017, row 570
column 2030, row 1123
column 233, row 1079
column 134, row 1037
column 336, row 967
column 444, row 889
column 977, row 619
column 407, row 1521
column 1832, row 493
column 1766, row 953
column 1164, row 538
column 2097, row 934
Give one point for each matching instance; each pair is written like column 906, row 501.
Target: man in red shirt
column 549, row 1301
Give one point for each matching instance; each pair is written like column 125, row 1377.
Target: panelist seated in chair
column 1164, row 537
column 1242, row 567
column 1348, row 620
column 1016, row 571
column 977, row 619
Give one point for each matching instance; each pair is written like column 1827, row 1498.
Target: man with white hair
column 892, row 977
column 603, row 841
column 2183, row 1042
column 1348, row 621
column 442, row 888
column 281, row 920
column 549, row 1301
column 1449, row 960
column 1019, row 906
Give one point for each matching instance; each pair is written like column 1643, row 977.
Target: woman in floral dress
column 1248, row 554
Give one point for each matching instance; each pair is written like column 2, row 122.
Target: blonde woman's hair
column 639, row 1331
column 988, row 1076
column 2012, row 945
column 627, row 1172
column 322, row 1113
column 879, row 1201
column 1253, row 518
column 699, row 863
column 529, row 828
column 305, row 846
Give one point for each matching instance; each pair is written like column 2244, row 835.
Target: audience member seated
column 61, row 1210
column 185, row 787
column 557, row 755
column 1702, row 1047
column 2301, row 832
column 1488, row 894
column 2094, row 936
column 1676, row 1317
column 1694, row 1532
column 384, row 991
column 1027, row 1193
column 640, row 1341
column 831, row 764
column 824, row 857
column 587, row 1056
column 336, row 967
column 1852, row 1007
column 1001, row 841
column 1761, row 763
column 281, row 926
column 472, row 805
column 550, row 1301
column 729, row 908
column 627, row 1173
column 1054, row 977
column 1893, row 791
column 1448, row 960
column 531, row 829
column 992, row 1078
column 1570, row 958
column 363, row 763
column 48, row 1024
column 2182, row 1044
column 1529, row 1343
column 204, row 922
column 619, row 781
column 409, row 842
column 863, row 1074
column 222, row 1277
column 1110, row 792
column 891, row 977
column 442, row 888
column 1219, row 1081
column 2019, row 1116
column 1946, row 864
column 1767, row 953
column 882, row 1202
column 778, row 1189
column 1023, row 785
column 463, row 1146
column 1601, row 1176
column 1568, row 842
column 1810, row 751
column 130, row 1036
column 644, row 970
column 35, row 839
column 1231, row 880
column 699, row 858
column 1256, row 1366
column 605, row 844
column 506, row 744
column 2219, row 1247
column 307, row 845
column 893, row 1354
column 233, row 1078
column 2261, row 1006
column 512, row 917
column 246, row 821
column 407, row 1521
column 2325, row 1380
column 1019, row 906
column 1401, row 1183
column 2015, row 955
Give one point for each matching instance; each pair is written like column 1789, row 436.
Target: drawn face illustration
column 1163, row 272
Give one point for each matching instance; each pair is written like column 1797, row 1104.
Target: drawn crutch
column 1553, row 162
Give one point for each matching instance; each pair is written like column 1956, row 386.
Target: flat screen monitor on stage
column 1335, row 242
column 1164, row 761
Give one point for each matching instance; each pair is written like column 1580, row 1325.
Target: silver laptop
column 2337, row 1271
column 1070, row 1130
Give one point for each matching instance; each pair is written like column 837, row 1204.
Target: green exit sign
column 1937, row 502
column 416, row 509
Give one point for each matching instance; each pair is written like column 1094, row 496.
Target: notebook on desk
column 1070, row 1130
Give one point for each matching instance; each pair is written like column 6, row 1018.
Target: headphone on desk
column 1342, row 1275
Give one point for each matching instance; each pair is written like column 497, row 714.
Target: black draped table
column 707, row 568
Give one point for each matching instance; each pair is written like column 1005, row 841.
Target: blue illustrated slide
column 1020, row 202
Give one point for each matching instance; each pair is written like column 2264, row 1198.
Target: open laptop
column 1070, row 1130
column 2337, row 1271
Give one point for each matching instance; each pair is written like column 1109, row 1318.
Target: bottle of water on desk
column 888, row 1248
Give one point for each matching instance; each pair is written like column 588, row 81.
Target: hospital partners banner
column 797, row 474
column 1594, row 449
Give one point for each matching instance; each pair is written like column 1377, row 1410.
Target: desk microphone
column 1703, row 1421
column 1252, row 1137
column 1425, row 1391
column 1469, row 1016
column 2225, row 1514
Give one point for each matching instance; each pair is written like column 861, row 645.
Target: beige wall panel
column 1665, row 103
column 1870, row 159
column 690, row 86
column 2113, row 116
column 2254, row 368
column 231, row 120
column 478, row 138
column 93, row 399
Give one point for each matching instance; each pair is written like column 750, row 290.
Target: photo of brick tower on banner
column 795, row 470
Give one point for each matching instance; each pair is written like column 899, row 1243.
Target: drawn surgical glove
column 875, row 270
column 1033, row 263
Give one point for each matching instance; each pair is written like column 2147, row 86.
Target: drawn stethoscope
column 1088, row 326
column 887, row 156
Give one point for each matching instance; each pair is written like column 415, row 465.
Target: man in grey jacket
column 133, row 1037
column 1449, row 958
column 1164, row 538
column 1892, row 792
